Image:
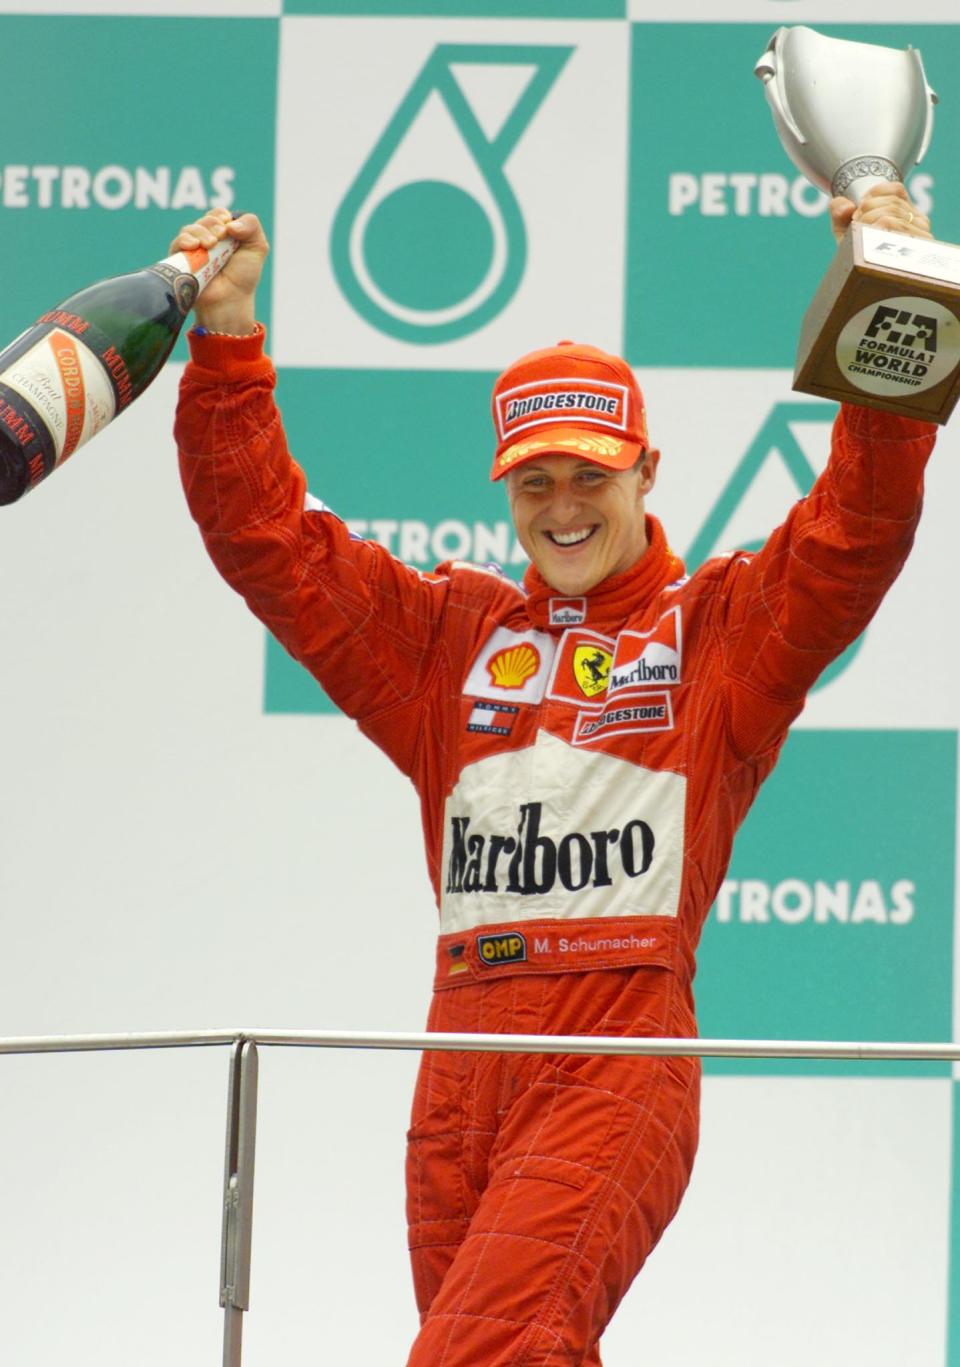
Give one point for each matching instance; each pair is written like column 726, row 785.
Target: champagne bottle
column 82, row 363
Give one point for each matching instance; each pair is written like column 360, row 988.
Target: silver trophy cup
column 848, row 114
column 883, row 329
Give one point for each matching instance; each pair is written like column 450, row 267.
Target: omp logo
column 116, row 187
column 502, row 949
column 432, row 258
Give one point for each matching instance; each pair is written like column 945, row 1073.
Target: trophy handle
column 932, row 99
column 766, row 70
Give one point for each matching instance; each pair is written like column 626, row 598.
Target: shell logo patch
column 591, row 669
column 513, row 666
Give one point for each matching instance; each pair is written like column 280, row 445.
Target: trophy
column 883, row 329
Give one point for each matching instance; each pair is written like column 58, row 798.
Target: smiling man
column 584, row 747
column 576, row 492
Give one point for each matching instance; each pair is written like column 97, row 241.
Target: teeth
column 570, row 538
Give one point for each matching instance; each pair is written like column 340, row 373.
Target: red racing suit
column 582, row 766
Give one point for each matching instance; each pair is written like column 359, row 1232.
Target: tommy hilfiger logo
column 492, row 718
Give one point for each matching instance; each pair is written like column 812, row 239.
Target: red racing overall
column 582, row 766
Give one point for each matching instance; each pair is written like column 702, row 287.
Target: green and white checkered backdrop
column 191, row 835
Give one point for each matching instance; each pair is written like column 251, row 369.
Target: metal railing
column 241, row 1136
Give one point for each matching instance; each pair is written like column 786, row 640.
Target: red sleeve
column 365, row 625
column 796, row 604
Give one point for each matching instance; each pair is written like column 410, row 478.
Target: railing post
column 238, row 1196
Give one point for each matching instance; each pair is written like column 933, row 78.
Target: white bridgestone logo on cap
column 569, row 399
column 565, row 399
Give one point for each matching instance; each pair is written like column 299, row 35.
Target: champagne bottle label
column 64, row 379
column 21, row 424
column 67, row 387
column 97, row 346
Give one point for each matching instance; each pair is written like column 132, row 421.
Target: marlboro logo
column 648, row 659
column 567, row 612
column 529, row 860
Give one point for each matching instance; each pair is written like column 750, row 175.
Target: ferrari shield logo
column 591, row 669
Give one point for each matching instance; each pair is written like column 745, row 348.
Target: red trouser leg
column 538, row 1185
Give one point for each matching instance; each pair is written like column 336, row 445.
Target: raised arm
column 364, row 624
column 807, row 594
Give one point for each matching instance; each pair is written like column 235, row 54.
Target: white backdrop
column 174, row 856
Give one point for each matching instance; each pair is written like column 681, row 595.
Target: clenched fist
column 887, row 206
column 228, row 302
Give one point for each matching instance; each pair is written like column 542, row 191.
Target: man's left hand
column 887, row 206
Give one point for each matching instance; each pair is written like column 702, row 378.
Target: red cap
column 568, row 400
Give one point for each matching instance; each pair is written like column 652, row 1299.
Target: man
column 584, row 748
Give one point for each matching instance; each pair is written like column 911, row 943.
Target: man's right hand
column 228, row 302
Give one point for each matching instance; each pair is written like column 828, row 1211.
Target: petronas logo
column 429, row 242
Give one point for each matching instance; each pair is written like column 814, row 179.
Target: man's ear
column 648, row 471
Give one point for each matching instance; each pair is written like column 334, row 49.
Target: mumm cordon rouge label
column 60, row 391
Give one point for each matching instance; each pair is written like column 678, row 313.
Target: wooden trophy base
column 883, row 329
